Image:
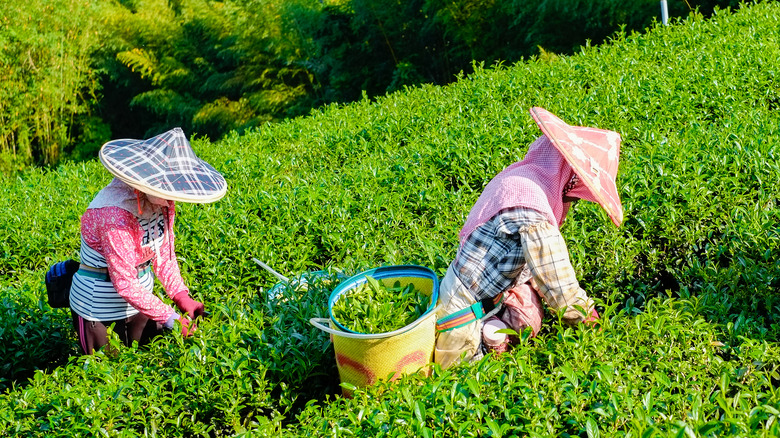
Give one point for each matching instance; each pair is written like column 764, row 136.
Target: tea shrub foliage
column 686, row 286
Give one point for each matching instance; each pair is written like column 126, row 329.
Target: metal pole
column 269, row 269
column 664, row 13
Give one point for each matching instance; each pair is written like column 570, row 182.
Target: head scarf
column 119, row 194
column 540, row 179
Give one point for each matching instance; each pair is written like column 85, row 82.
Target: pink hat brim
column 592, row 153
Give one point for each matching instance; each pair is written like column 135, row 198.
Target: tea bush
column 687, row 285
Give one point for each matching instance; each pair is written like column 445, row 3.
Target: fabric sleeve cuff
column 171, row 319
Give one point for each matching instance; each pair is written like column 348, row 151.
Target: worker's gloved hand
column 188, row 327
column 189, row 306
column 592, row 320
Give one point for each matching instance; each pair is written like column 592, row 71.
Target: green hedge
column 687, row 285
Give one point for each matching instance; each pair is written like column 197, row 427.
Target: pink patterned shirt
column 116, row 234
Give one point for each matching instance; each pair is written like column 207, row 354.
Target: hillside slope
column 687, row 285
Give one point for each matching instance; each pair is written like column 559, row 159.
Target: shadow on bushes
column 32, row 337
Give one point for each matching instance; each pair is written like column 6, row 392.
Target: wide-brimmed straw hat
column 164, row 166
column 592, row 153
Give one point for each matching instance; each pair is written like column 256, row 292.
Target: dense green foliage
column 47, row 81
column 209, row 67
column 75, row 74
column 687, row 286
column 375, row 308
column 379, row 46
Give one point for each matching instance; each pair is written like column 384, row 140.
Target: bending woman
column 512, row 255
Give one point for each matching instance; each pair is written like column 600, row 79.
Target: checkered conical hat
column 164, row 166
column 592, row 153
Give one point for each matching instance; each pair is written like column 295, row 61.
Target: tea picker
column 127, row 241
column 511, row 255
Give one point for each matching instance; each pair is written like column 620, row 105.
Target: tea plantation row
column 687, row 286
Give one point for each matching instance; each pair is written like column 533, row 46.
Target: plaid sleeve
column 491, row 258
column 548, row 259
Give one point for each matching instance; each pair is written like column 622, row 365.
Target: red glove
column 189, row 306
column 187, row 326
column 592, row 320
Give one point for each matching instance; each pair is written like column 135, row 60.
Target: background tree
column 209, row 67
column 48, row 85
column 376, row 46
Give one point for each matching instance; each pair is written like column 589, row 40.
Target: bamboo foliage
column 46, row 77
column 141, row 61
